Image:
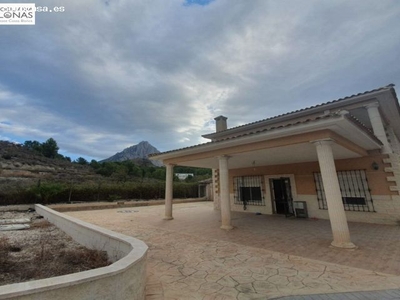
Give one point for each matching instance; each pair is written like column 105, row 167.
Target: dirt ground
column 42, row 251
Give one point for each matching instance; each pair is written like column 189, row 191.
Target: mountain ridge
column 134, row 152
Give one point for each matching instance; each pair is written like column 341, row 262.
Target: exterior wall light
column 375, row 166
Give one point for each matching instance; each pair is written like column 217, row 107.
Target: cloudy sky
column 107, row 74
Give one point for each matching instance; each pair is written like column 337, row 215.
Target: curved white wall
column 124, row 279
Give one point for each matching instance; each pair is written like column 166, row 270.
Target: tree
column 81, row 161
column 159, row 174
column 189, row 178
column 33, row 145
column 106, row 169
column 50, row 148
column 94, row 164
column 136, row 171
column 45, row 191
column 120, row 173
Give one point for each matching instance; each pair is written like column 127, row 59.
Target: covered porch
column 324, row 140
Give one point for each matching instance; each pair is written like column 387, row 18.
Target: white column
column 377, row 126
column 337, row 215
column 169, row 181
column 224, row 193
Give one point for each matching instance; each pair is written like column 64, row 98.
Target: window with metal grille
column 356, row 195
column 248, row 190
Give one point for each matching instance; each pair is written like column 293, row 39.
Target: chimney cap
column 220, row 118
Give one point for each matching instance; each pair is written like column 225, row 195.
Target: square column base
column 348, row 245
column 226, row 227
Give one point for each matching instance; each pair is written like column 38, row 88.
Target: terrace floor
column 262, row 258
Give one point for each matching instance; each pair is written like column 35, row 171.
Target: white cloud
column 101, row 77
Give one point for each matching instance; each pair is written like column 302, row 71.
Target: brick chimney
column 220, row 123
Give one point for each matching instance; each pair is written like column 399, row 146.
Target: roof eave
column 333, row 123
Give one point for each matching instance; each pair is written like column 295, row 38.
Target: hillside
column 22, row 166
column 27, row 176
column 139, row 152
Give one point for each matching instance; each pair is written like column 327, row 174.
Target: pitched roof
column 349, row 117
column 318, row 106
column 256, row 131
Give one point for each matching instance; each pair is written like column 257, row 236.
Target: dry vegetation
column 42, row 251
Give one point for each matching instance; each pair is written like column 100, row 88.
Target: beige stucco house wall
column 386, row 203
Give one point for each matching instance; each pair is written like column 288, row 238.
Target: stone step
column 14, row 227
column 14, row 221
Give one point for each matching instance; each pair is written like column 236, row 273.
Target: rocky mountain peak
column 139, row 151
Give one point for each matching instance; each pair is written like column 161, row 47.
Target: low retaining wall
column 118, row 204
column 124, row 279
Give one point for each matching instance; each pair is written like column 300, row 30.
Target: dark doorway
column 281, row 193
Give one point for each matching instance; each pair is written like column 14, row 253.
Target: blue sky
column 198, row 2
column 105, row 75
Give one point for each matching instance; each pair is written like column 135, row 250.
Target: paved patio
column 262, row 258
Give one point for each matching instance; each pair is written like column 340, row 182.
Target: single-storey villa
column 338, row 160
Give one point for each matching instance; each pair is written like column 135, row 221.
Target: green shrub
column 185, row 190
column 52, row 192
column 6, row 156
column 46, row 192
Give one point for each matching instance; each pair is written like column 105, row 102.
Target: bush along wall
column 51, row 193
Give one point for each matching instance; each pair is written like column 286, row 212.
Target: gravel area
column 41, row 251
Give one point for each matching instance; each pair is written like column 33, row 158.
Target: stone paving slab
column 14, row 221
column 191, row 258
column 373, row 295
